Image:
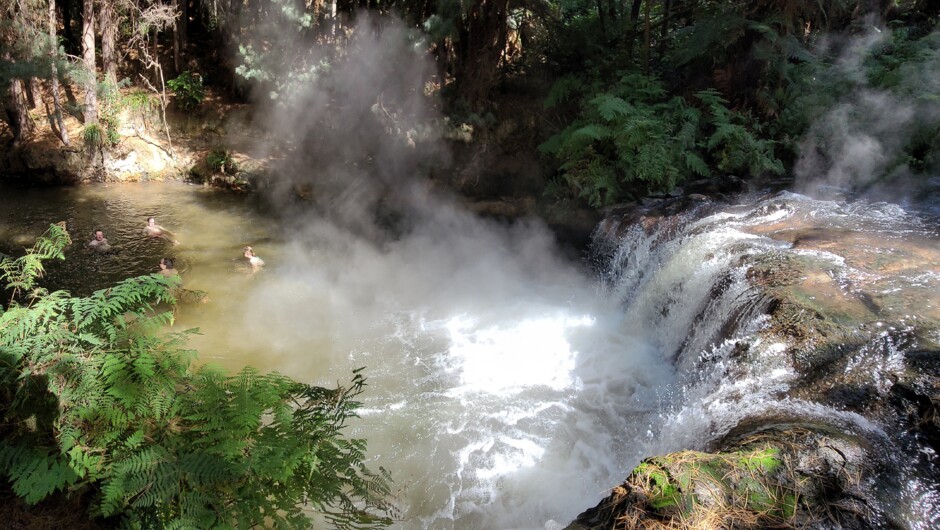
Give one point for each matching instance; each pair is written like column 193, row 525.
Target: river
column 508, row 385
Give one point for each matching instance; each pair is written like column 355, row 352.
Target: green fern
column 104, row 403
column 21, row 274
column 633, row 136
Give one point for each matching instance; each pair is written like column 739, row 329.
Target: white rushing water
column 504, row 389
column 507, row 387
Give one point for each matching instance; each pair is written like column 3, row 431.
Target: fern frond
column 563, row 89
column 611, row 107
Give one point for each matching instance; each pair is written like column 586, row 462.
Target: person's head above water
column 98, row 241
column 168, row 267
column 253, row 260
column 152, row 229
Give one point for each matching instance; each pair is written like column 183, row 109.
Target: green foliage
column 94, row 137
column 110, row 104
column 98, row 400
column 140, row 104
column 221, row 161
column 20, row 275
column 885, row 88
column 139, row 101
column 634, row 138
column 24, row 44
column 188, row 89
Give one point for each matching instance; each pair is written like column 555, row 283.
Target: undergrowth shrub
column 221, row 161
column 140, row 103
column 886, row 96
column 188, row 89
column 97, row 400
column 633, row 138
column 93, row 137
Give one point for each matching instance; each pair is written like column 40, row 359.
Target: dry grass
column 760, row 487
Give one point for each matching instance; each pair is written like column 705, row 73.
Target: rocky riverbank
column 852, row 325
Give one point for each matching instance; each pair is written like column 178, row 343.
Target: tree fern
column 563, row 89
column 610, row 107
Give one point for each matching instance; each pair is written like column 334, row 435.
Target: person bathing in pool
column 152, row 229
column 255, row 261
column 168, row 267
column 99, row 242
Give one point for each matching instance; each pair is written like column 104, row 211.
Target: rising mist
column 857, row 148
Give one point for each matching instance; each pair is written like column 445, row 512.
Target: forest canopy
column 641, row 96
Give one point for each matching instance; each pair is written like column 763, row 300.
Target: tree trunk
column 612, row 14
column 664, row 33
column 333, row 18
column 646, row 39
column 108, row 25
column 631, row 29
column 176, row 37
column 56, row 118
column 480, row 44
column 17, row 115
column 156, row 43
column 33, row 95
column 601, row 18
column 88, row 57
column 183, row 25
column 71, row 43
column 635, row 11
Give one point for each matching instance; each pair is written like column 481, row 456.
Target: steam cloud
column 857, row 146
column 354, row 139
column 377, row 262
column 347, row 128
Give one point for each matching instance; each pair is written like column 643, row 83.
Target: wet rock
column 853, row 314
column 44, row 163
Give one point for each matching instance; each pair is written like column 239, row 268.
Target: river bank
column 495, row 171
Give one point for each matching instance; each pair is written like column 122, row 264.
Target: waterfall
column 529, row 406
column 683, row 279
column 535, row 408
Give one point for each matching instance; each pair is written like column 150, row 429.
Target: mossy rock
column 784, row 480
